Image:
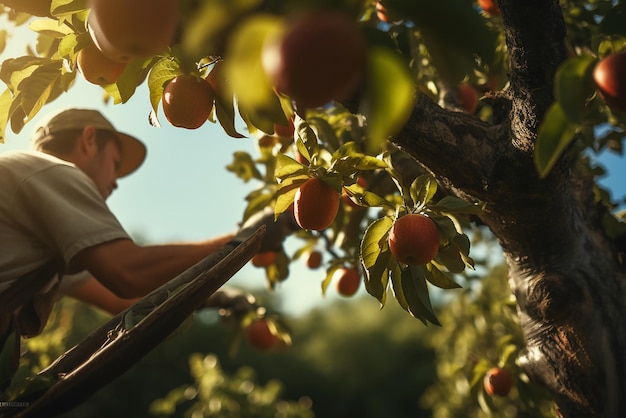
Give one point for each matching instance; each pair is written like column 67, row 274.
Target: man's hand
column 275, row 232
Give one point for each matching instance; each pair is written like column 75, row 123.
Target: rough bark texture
column 564, row 272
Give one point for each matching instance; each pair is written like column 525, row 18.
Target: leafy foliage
column 320, row 374
column 324, row 366
column 578, row 108
column 218, row 395
column 482, row 331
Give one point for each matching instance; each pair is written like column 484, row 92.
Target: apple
column 609, row 76
column 498, row 381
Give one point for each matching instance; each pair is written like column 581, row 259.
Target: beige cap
column 133, row 151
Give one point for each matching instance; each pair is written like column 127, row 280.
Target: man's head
column 89, row 140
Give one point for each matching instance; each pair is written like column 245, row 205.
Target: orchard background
column 519, row 166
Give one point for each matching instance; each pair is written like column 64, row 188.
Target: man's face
column 102, row 167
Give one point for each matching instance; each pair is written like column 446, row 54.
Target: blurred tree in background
column 482, row 331
column 347, row 359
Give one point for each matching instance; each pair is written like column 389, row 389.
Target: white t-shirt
column 49, row 209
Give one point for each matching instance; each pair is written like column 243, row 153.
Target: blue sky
column 183, row 191
column 615, row 181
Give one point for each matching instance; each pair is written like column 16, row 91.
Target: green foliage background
column 347, row 359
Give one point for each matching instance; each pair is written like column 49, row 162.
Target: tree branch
column 535, row 38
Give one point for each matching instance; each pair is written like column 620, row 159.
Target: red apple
column 610, row 78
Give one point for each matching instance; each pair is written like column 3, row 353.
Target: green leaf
column 14, row 70
column 68, row 7
column 574, row 85
column 416, row 293
column 50, row 27
column 283, row 201
column 278, row 271
column 287, row 166
column 134, row 74
column 481, row 368
column 610, row 45
column 438, row 278
column 348, row 161
column 377, row 277
column 367, row 162
column 451, row 259
column 244, row 167
column 390, row 96
column 362, row 197
column 47, row 46
column 375, row 257
column 224, row 105
column 263, row 116
column 446, row 226
column 252, row 129
column 462, row 243
column 507, row 352
column 345, row 150
column 374, row 241
column 258, row 200
column 5, row 112
column 161, row 73
column 333, row 179
column 453, row 204
column 394, row 174
column 422, row 190
column 70, row 45
column 292, row 182
column 225, row 113
column 396, row 284
column 555, row 134
column 286, row 192
column 67, row 81
column 40, row 87
column 306, row 140
column 18, row 117
column 325, row 130
column 243, row 67
column 330, row 273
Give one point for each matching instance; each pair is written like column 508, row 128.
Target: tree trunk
column 566, row 274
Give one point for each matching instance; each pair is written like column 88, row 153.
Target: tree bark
column 567, row 277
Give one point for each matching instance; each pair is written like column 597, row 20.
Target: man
column 54, row 222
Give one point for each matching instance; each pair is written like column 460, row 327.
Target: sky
column 183, row 191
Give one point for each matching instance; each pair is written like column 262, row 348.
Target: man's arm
column 132, row 271
column 95, row 293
